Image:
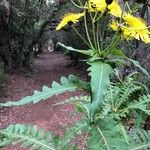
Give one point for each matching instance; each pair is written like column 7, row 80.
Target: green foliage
column 28, row 136
column 137, row 64
column 107, row 135
column 24, row 28
column 108, row 105
column 122, row 99
column 100, row 81
column 67, row 84
column 141, row 104
column 120, row 93
column 106, row 132
column 140, row 140
column 75, row 131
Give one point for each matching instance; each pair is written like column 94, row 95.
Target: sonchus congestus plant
column 102, row 56
column 109, row 105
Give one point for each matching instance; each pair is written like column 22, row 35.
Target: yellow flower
column 132, row 28
column 141, row 34
column 101, row 6
column 114, row 25
column 70, row 17
column 136, row 28
column 97, row 5
column 134, row 21
column 114, row 9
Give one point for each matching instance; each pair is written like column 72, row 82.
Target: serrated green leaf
column 137, row 64
column 70, row 84
column 100, row 80
column 141, row 104
column 25, row 140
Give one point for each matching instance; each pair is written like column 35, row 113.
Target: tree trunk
column 5, row 34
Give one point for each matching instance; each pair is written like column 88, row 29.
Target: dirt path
column 48, row 67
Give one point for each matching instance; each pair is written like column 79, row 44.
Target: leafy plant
column 106, row 132
column 109, row 105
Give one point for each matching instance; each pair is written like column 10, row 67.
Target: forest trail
column 48, row 67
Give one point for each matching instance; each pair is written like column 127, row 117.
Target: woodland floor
column 48, row 67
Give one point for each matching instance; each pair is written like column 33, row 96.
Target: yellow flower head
column 70, row 17
column 134, row 28
column 134, row 21
column 97, row 5
column 101, row 6
column 130, row 33
column 114, row 9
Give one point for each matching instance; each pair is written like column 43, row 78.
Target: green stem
column 80, row 36
column 113, row 42
column 115, row 39
column 97, row 37
column 80, row 3
column 124, row 132
column 103, row 137
column 110, row 48
column 87, row 32
column 98, row 17
column 95, row 17
column 81, row 7
column 128, row 7
column 93, row 31
column 104, row 27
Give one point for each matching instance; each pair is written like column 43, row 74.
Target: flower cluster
column 130, row 26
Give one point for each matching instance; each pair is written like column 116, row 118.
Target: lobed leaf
column 100, row 81
column 67, row 84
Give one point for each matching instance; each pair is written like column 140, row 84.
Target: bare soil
column 48, row 67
